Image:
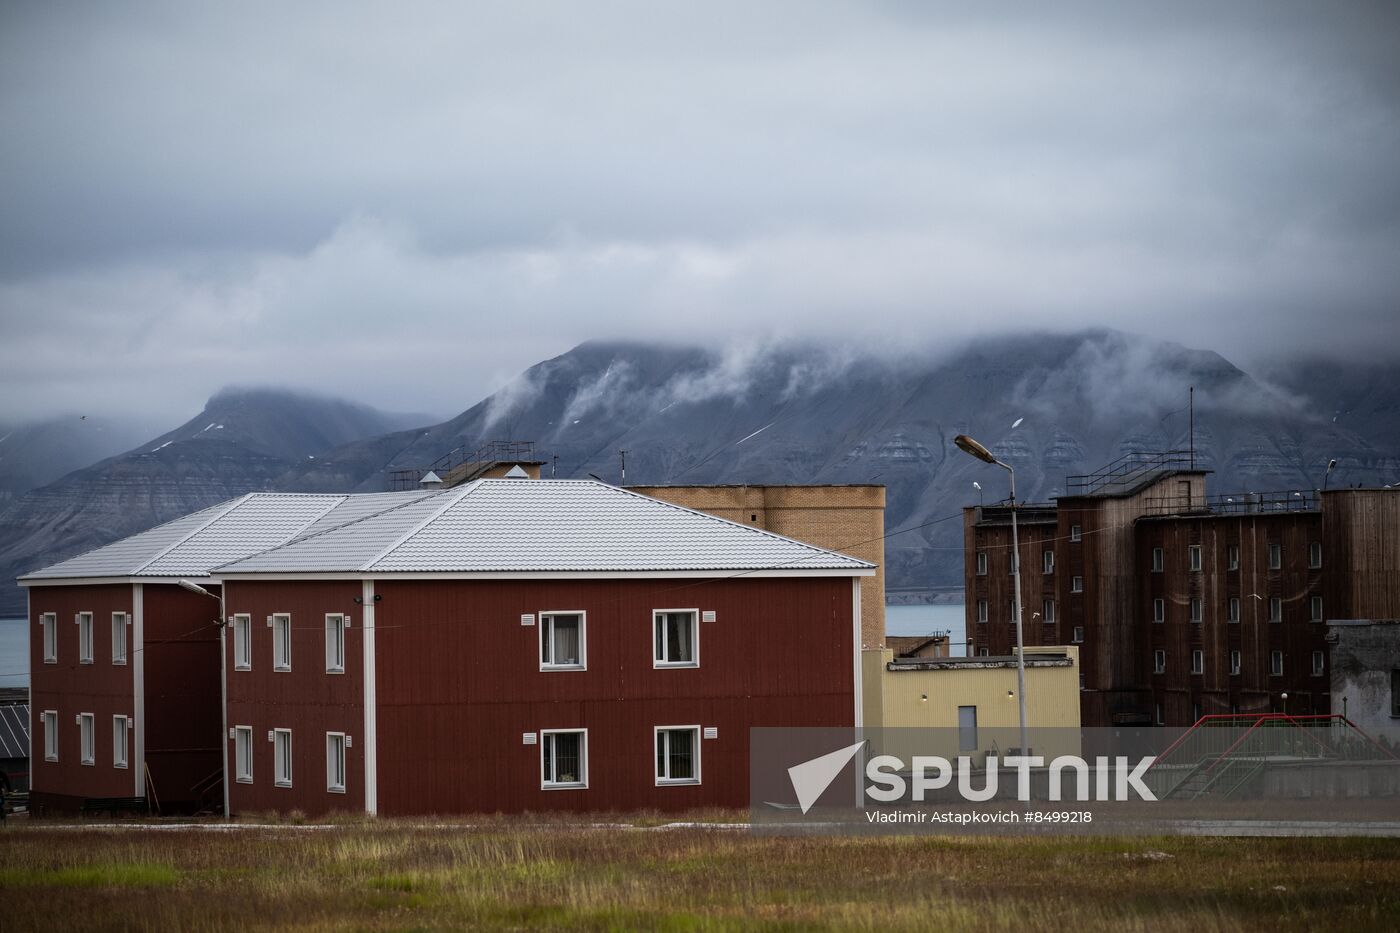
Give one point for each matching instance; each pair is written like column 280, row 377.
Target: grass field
column 514, row 874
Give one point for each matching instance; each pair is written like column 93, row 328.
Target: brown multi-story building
column 1184, row 605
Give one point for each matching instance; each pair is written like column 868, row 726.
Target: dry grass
column 550, row 873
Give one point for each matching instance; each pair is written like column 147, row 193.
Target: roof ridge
column 402, row 539
column 233, row 504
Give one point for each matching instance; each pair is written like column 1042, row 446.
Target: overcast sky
column 408, row 203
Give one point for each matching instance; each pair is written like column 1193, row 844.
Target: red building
column 513, row 645
column 124, row 661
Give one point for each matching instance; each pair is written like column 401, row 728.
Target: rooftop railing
column 457, row 461
column 1128, row 471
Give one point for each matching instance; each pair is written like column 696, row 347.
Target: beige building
column 847, row 519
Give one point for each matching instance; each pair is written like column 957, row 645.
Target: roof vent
column 516, row 473
column 430, row 479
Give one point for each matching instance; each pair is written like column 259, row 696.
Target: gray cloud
column 409, row 205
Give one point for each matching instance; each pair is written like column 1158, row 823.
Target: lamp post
column 969, row 446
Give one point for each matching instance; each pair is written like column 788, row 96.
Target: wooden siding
column 1362, row 553
column 307, row 699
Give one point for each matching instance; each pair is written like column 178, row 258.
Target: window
column 1232, row 557
column 1319, row 663
column 1275, row 557
column 1196, row 615
column 87, row 737
column 1276, row 663
column 1076, row 584
column 1047, row 561
column 51, row 735
column 282, row 757
column 335, row 643
column 1198, row 661
column 1235, row 662
column 1314, row 555
column 49, row 623
column 1076, row 533
column 1275, row 609
column 242, row 643
column 121, row 728
column 281, row 642
column 1193, row 557
column 678, row 755
column 967, row 728
column 1048, row 611
column 564, row 758
column 1157, row 714
column 1159, row 610
column 1158, row 561
column 1159, row 661
column 243, row 754
column 119, row 638
column 335, row 762
column 1394, row 695
column 1011, row 611
column 84, row 621
column 983, row 652
column 981, row 563
column 674, row 635
column 1316, row 606
column 1079, row 634
column 562, row 641
column 981, row 611
column 1232, row 609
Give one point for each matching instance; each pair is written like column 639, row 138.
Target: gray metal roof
column 190, row 546
column 523, row 526
column 14, row 731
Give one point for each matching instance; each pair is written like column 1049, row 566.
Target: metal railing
column 1288, row 500
column 1128, row 471
column 459, row 460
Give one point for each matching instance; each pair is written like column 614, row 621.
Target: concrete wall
column 846, row 519
column 1363, row 658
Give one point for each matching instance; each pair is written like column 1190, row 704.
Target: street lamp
column 969, row 446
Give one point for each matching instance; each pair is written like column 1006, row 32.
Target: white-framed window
column 1315, row 605
column 1158, row 560
column 677, row 755
column 1076, row 533
column 243, row 754
column 563, row 641
column 563, row 758
column 1232, row 609
column 1048, row 610
column 1193, row 557
column 1315, row 555
column 1157, row 714
column 1235, row 662
column 84, row 620
column 981, row 563
column 282, row 757
column 87, row 738
column 335, row 762
column 1078, row 635
column 1196, row 609
column 121, row 732
column 1275, row 557
column 1047, row 561
column 981, row 611
column 1275, row 608
column 1276, row 663
column 51, row 735
column 1159, row 610
column 1198, row 661
column 119, row 637
column 335, row 643
column 1076, row 584
column 1232, row 557
column 675, row 638
column 983, row 652
column 1011, row 610
column 1319, row 663
column 242, row 642
column 281, row 641
column 48, row 622
column 1159, row 661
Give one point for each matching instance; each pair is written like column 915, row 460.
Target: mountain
column 1050, row 405
column 36, row 453
column 244, row 440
